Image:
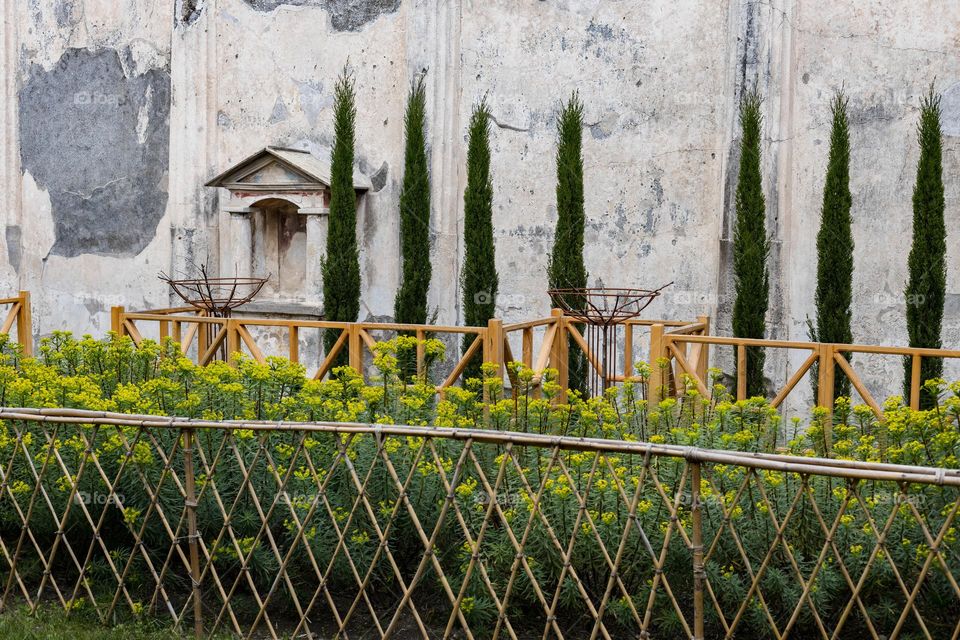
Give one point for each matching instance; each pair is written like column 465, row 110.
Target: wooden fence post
column 25, row 324
column 355, row 355
column 493, row 344
column 826, row 374
column 233, row 340
column 190, row 504
column 627, row 350
column 703, row 362
column 657, row 351
column 116, row 320
column 560, row 353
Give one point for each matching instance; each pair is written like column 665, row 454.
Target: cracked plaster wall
column 660, row 81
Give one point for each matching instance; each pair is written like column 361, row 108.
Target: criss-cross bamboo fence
column 376, row 531
column 19, row 318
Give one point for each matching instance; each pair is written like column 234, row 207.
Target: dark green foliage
column 341, row 267
column 750, row 244
column 927, row 283
column 835, row 245
column 566, row 269
column 410, row 304
column 479, row 276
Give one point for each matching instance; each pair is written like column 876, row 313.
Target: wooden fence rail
column 19, row 317
column 676, row 351
column 356, row 530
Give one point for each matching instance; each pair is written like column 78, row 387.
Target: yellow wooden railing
column 674, row 349
column 20, row 318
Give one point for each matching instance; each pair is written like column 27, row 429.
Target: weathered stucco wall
column 116, row 113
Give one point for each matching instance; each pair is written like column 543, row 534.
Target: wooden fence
column 379, row 531
column 825, row 357
column 19, row 318
column 541, row 343
column 677, row 352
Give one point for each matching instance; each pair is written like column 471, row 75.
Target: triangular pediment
column 275, row 174
column 279, row 169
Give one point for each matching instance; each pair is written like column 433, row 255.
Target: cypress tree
column 927, row 283
column 750, row 244
column 566, row 269
column 835, row 245
column 478, row 278
column 410, row 304
column 341, row 266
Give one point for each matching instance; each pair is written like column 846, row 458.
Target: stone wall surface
column 117, row 112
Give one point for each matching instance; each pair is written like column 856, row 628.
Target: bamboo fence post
column 699, row 573
column 560, row 353
column 25, row 324
column 657, row 351
column 190, row 504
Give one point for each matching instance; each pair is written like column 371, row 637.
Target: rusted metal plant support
column 601, row 310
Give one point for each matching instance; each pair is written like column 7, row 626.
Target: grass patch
column 53, row 624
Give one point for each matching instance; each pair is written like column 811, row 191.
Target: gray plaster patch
column 279, row 113
column 950, row 104
column 13, row 246
column 312, row 100
column 188, row 11
column 379, row 179
column 64, row 12
column 97, row 141
column 345, row 15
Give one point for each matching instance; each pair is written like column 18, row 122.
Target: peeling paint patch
column 312, row 100
column 345, row 15
column 188, row 11
column 379, row 179
column 14, row 254
column 950, row 103
column 97, row 141
column 279, row 113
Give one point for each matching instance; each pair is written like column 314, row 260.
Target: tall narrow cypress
column 927, row 283
column 834, row 293
column 750, row 244
column 566, row 269
column 478, row 278
column 410, row 304
column 341, row 265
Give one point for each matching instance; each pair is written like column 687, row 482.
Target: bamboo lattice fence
column 357, row 531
